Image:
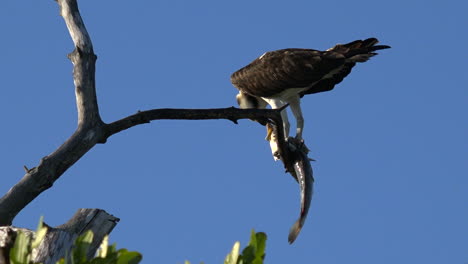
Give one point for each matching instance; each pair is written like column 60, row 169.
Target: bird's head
column 246, row 101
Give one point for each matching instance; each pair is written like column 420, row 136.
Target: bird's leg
column 284, row 116
column 295, row 105
column 275, row 104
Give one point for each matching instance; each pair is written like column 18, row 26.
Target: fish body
column 293, row 153
column 305, row 178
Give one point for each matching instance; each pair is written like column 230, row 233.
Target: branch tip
column 233, row 120
column 27, row 170
column 282, row 108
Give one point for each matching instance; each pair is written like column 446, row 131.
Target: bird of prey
column 282, row 77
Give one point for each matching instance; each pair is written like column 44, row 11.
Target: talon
column 298, row 142
column 303, row 147
column 299, row 138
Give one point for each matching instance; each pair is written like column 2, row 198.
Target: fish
column 293, row 153
column 305, row 177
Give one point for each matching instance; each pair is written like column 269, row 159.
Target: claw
column 301, row 144
column 304, row 148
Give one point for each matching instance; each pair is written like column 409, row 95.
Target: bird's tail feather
column 367, row 44
column 379, row 47
column 359, row 50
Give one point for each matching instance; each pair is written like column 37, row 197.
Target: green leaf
column 41, row 223
column 102, row 253
column 40, row 233
column 233, row 256
column 254, row 253
column 20, row 253
column 112, row 249
column 87, row 237
column 248, row 254
column 82, row 245
column 128, row 257
column 260, row 247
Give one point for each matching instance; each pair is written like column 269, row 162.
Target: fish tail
column 295, row 230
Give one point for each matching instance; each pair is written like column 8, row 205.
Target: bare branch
column 263, row 116
column 231, row 113
column 91, row 130
column 84, row 61
column 42, row 177
column 70, row 13
column 51, row 167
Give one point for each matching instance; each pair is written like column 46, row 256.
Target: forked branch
column 91, row 130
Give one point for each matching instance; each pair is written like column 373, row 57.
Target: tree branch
column 263, row 116
column 51, row 167
column 91, row 130
column 84, row 61
column 231, row 113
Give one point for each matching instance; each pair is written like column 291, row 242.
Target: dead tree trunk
column 59, row 240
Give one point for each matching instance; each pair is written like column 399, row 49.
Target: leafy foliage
column 254, row 253
column 106, row 254
column 20, row 253
column 233, row 256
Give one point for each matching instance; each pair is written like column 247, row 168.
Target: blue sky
column 390, row 141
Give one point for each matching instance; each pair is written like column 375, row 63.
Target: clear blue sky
column 391, row 141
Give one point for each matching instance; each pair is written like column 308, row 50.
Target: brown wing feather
column 276, row 71
column 328, row 84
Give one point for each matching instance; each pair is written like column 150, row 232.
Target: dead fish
column 294, row 156
column 305, row 178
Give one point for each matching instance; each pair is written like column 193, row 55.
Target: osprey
column 284, row 76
